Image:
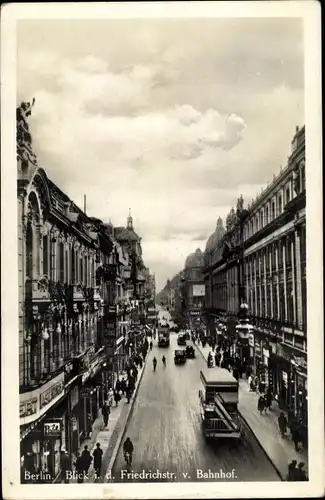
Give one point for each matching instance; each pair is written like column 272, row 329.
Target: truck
column 163, row 335
column 219, row 404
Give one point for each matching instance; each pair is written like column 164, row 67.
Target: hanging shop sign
column 34, row 404
column 299, row 362
column 251, row 340
column 52, row 429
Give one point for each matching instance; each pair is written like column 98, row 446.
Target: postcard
column 162, row 312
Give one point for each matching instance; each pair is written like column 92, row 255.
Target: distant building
column 260, row 259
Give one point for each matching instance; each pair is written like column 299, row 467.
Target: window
column 273, row 215
column 85, row 278
column 81, row 270
column 266, row 215
column 61, row 262
column 280, row 254
column 261, row 219
column 303, row 177
column 66, row 266
column 287, row 195
column 45, row 255
column 29, row 251
column 279, row 204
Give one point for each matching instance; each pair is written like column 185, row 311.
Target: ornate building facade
column 194, row 289
column 261, row 260
column 79, row 284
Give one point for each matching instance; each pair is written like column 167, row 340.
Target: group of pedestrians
column 296, row 472
column 83, row 463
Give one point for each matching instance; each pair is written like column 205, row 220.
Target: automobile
column 190, row 352
column 180, row 357
column 181, row 339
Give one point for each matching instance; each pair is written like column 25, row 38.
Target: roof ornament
column 23, row 134
column 129, row 220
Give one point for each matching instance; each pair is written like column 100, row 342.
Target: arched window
column 29, row 251
column 266, row 214
column 46, row 254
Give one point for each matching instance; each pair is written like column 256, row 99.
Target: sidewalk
column 281, row 451
column 110, row 437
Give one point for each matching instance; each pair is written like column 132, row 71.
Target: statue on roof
column 23, row 135
column 231, row 220
column 240, row 203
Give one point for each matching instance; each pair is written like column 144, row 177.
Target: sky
column 172, row 118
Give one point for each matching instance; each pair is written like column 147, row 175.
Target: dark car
column 180, row 357
column 181, row 339
column 190, row 351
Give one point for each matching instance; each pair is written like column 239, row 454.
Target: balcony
column 41, row 290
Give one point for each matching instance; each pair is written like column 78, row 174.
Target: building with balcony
column 261, row 260
column 75, row 309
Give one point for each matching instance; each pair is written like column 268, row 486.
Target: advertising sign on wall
column 199, row 290
column 34, row 404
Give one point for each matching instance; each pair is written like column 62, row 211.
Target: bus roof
column 216, row 376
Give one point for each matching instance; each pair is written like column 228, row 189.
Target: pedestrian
column 261, row 404
column 86, row 459
column 292, row 471
column 105, row 412
column 135, row 373
column 117, row 397
column 283, row 424
column 110, row 398
column 118, row 385
column 300, row 473
column 236, row 373
column 217, row 358
column 98, row 457
column 128, row 394
column 66, row 467
column 268, row 399
column 295, row 434
column 123, row 386
column 79, row 468
column 249, row 381
column 140, row 362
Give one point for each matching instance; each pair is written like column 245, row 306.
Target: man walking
column 98, row 458
column 105, row 413
column 283, row 423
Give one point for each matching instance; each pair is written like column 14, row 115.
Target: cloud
column 174, row 119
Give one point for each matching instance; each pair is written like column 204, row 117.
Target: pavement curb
column 120, row 438
column 252, row 431
column 262, row 447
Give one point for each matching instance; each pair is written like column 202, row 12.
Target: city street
column 165, row 429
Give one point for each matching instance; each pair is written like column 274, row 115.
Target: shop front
column 40, row 439
column 91, row 391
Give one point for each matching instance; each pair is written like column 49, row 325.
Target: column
column 255, row 284
column 265, row 281
column 36, row 250
column 272, row 249
column 285, row 279
column 298, row 278
column 293, row 260
column 277, row 279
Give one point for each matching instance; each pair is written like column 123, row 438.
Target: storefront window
column 51, row 456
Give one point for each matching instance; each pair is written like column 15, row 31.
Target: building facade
column 78, row 288
column 261, row 261
column 193, row 284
